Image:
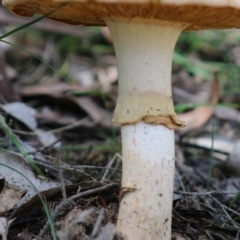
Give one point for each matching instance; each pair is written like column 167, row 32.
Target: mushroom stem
column 147, row 182
column 144, row 55
column 145, row 110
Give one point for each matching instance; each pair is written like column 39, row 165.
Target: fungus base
column 147, row 182
column 145, row 111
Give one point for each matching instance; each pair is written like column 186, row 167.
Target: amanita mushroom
column 144, row 34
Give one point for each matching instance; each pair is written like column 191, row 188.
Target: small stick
column 203, row 193
column 109, row 165
column 60, row 174
column 97, row 224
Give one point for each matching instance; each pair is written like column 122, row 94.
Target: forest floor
column 58, row 91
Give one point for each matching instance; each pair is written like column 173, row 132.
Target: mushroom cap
column 199, row 14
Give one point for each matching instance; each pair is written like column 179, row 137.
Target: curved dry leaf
column 21, row 112
column 4, row 225
column 18, row 176
column 178, row 236
column 71, row 224
column 231, row 166
column 10, row 194
column 98, row 114
column 87, row 104
column 222, row 145
column 227, row 113
column 199, row 116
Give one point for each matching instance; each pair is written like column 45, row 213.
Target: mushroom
column 144, row 34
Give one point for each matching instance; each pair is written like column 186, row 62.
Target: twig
column 70, row 126
column 236, row 225
column 203, row 193
column 231, row 210
column 24, row 132
column 68, row 167
column 116, row 156
column 180, row 180
column 67, row 201
column 57, row 130
column 60, row 174
column 46, row 55
column 97, row 224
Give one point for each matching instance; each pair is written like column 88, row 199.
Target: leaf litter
column 68, row 130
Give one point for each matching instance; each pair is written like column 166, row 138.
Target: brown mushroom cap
column 200, row 14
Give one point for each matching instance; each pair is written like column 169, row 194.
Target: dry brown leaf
column 15, row 169
column 48, row 115
column 107, row 77
column 10, row 194
column 22, row 112
column 71, row 225
column 58, row 92
column 52, row 89
column 177, row 236
column 199, row 116
column 227, row 113
column 231, row 166
column 4, row 226
column 98, row 114
column 222, row 145
column 55, row 194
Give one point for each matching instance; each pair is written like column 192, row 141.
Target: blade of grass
column 22, row 27
column 188, row 106
column 211, row 155
column 19, row 146
column 39, row 58
column 107, row 148
column 41, row 199
column 234, row 199
column 30, row 23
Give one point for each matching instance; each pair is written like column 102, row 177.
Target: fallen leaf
column 15, row 169
column 10, row 194
column 47, row 138
column 71, row 225
column 231, row 166
column 55, row 194
column 53, row 89
column 107, row 77
column 221, row 145
column 199, row 116
column 97, row 114
column 21, row 112
column 177, row 236
column 227, row 113
column 4, row 225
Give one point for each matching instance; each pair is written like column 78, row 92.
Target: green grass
column 203, row 52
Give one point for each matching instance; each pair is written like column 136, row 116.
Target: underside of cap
column 199, row 14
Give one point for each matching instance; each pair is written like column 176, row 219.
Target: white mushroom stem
column 148, row 168
column 145, row 110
